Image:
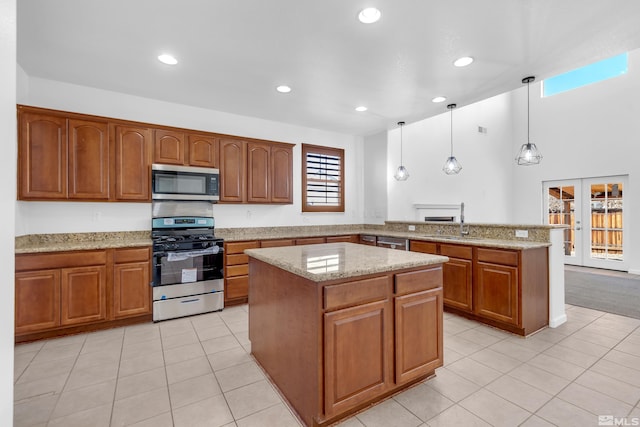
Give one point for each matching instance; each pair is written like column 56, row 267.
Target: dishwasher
column 393, row 243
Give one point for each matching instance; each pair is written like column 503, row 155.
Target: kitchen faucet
column 463, row 232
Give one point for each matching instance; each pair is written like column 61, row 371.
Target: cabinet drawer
column 237, row 287
column 239, row 247
column 498, row 256
column 424, row 247
column 358, row 292
column 420, row 280
column 346, row 239
column 131, row 255
column 456, row 251
column 237, row 259
column 60, row 260
column 277, row 243
column 237, row 270
column 310, row 241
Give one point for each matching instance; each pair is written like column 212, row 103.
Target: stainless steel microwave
column 171, row 182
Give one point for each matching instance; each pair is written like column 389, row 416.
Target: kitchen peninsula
column 339, row 326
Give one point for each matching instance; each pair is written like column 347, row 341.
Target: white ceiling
column 233, row 53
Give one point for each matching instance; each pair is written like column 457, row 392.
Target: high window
column 322, row 179
column 592, row 73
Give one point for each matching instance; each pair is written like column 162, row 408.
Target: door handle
column 578, row 228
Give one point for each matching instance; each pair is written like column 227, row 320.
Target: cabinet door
column 496, row 292
column 418, row 334
column 131, row 289
column 458, row 283
column 358, row 355
column 233, row 158
column 258, row 172
column 83, row 294
column 133, row 163
column 168, row 147
column 42, row 154
column 37, row 300
column 203, row 151
column 88, row 175
column 281, row 174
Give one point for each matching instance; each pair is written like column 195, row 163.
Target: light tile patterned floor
column 197, row 371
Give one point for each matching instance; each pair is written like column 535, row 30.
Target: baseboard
column 554, row 323
column 634, row 272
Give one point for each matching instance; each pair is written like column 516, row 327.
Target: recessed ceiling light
column 369, row 15
column 167, row 59
column 463, row 62
column 283, row 89
column 361, row 108
column 439, row 99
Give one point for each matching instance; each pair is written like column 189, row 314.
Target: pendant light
column 451, row 165
column 401, row 174
column 529, row 154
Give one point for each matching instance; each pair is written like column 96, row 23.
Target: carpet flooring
column 610, row 291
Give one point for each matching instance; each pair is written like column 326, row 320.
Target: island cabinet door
column 496, row 293
column 418, row 334
column 358, row 355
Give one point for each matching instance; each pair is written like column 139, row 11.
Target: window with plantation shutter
column 322, row 179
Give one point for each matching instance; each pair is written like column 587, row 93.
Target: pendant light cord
column 528, row 114
column 401, row 145
column 451, row 131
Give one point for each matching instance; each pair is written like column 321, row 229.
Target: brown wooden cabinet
column 458, row 276
column 83, row 292
column 358, row 355
column 62, row 158
column 132, row 163
column 68, row 156
column 233, row 164
column 132, row 282
column 176, row 147
column 349, row 238
column 255, row 171
column 370, row 335
column 88, row 159
column 505, row 288
column 37, row 300
column 169, row 147
column 277, row 243
column 310, row 241
column 236, row 271
column 58, row 293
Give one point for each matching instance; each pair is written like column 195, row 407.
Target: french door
column 593, row 210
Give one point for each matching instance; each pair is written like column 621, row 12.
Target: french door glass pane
column 562, row 211
column 606, row 221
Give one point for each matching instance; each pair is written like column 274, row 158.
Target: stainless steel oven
column 187, row 267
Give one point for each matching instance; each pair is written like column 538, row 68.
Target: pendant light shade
column 402, row 173
column 451, row 166
column 529, row 154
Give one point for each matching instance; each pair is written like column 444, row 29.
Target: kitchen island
column 340, row 326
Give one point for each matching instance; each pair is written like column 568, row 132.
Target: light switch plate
column 522, row 233
column 412, row 228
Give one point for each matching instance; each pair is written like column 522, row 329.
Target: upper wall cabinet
column 66, row 156
column 62, row 158
column 132, row 163
column 256, row 171
column 188, row 149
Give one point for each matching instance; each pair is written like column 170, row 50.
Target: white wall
column 375, row 178
column 484, row 184
column 7, row 202
column 591, row 131
column 62, row 217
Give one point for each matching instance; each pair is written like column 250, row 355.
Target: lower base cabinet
column 59, row 291
column 371, row 335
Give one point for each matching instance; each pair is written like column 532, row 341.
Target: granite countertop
column 332, row 261
column 81, row 241
column 466, row 240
